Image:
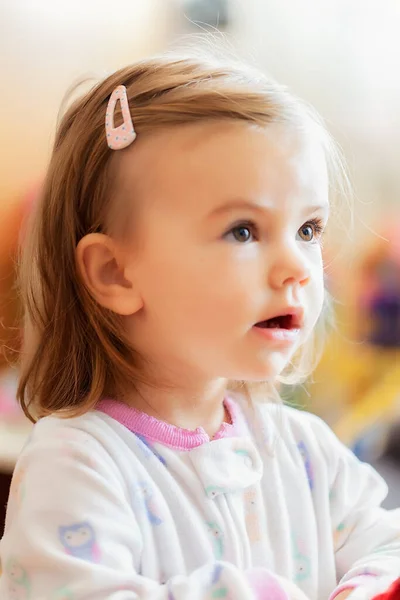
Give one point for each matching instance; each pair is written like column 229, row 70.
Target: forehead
column 191, row 169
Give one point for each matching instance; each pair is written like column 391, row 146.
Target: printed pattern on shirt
column 217, row 537
column 79, row 540
column 63, row 593
column 307, row 463
column 301, row 561
column 143, row 495
column 149, row 450
column 19, row 585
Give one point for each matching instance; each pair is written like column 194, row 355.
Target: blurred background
column 343, row 56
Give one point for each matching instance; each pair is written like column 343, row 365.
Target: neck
column 185, row 407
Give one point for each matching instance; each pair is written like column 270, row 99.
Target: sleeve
column 71, row 534
column 367, row 537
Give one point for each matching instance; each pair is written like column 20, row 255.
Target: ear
column 101, row 266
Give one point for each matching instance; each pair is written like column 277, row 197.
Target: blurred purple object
column 385, row 317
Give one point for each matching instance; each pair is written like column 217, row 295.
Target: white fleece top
column 116, row 505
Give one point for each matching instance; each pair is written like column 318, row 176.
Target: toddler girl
column 174, row 264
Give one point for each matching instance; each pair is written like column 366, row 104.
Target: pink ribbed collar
column 169, row 435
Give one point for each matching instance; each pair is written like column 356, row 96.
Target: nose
column 290, row 267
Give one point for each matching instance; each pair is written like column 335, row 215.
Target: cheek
column 195, row 288
column 316, row 296
column 223, row 301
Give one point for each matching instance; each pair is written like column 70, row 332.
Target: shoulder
column 283, row 420
column 303, row 424
column 73, row 469
column 278, row 426
column 91, row 441
column 92, row 427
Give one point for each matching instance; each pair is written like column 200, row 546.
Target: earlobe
column 102, row 269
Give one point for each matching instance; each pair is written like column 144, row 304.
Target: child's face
column 204, row 284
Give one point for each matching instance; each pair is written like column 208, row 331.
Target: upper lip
column 295, row 312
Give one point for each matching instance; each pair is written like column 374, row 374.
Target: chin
column 262, row 370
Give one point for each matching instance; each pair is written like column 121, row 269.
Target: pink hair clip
column 122, row 136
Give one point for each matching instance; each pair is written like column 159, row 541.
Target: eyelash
column 317, row 225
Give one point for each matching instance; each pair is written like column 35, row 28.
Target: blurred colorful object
column 13, row 217
column 393, row 593
column 380, row 289
column 365, row 426
column 356, row 386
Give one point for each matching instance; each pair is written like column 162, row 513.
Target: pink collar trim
column 154, row 430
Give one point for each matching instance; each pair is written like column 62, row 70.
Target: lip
column 282, row 336
column 295, row 312
column 279, row 334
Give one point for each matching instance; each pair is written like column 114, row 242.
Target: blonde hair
column 75, row 351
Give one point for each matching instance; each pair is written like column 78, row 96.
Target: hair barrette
column 122, row 136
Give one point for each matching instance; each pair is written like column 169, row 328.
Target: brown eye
column 311, row 231
column 243, row 233
column 306, row 232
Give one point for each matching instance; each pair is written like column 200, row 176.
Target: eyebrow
column 246, row 204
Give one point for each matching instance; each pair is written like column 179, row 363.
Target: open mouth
column 288, row 322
